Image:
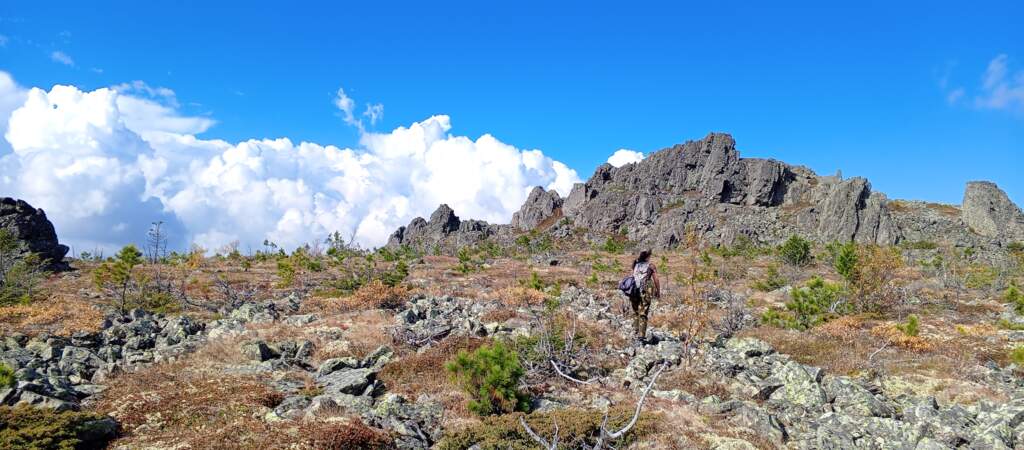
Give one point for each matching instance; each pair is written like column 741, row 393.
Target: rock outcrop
column 443, row 232
column 989, row 212
column 540, row 206
column 33, row 231
column 705, row 187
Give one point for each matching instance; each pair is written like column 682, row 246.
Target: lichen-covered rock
column 989, row 212
column 800, row 387
column 848, row 397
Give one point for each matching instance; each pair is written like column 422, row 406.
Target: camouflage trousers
column 641, row 306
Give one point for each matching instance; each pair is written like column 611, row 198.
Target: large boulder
column 989, row 212
column 33, row 231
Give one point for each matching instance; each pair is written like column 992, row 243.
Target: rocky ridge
column 705, row 187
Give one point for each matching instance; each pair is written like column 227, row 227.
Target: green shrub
column 160, row 302
column 490, row 375
column 6, row 376
column 396, row 275
column 1015, row 247
column 577, row 428
column 921, row 245
column 1007, row 325
column 796, row 251
column 981, row 276
column 467, row 261
column 1015, row 298
column 813, row 304
column 772, row 280
column 20, row 274
column 26, row 427
column 1017, row 355
column 912, row 327
column 845, row 261
column 613, row 245
column 742, row 246
column 116, row 275
column 285, row 273
column 534, row 282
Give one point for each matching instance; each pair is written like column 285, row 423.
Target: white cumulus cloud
column 999, row 88
column 106, row 163
column 61, row 57
column 624, row 156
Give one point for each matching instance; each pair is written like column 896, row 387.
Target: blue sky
column 893, row 91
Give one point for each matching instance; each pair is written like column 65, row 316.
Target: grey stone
column 335, row 402
column 799, row 387
column 349, row 381
column 335, row 364
column 43, row 401
column 540, row 205
column 749, row 347
column 989, row 212
column 292, row 407
column 378, row 358
column 302, row 319
column 34, row 232
column 258, row 351
column 850, row 398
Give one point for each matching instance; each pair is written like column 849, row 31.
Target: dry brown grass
column 844, row 355
column 498, row 315
column 416, row 373
column 894, row 336
column 697, row 383
column 372, row 295
column 363, row 332
column 60, row 314
column 520, row 297
column 423, row 373
column 177, row 403
column 351, row 434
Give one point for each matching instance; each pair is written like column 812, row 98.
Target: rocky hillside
column 705, row 187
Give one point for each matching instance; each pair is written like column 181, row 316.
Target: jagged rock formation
column 705, row 187
column 540, row 206
column 444, row 231
column 989, row 212
column 34, row 232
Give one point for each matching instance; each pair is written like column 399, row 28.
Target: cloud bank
column 624, row 156
column 104, row 164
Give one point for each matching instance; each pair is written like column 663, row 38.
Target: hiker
column 645, row 276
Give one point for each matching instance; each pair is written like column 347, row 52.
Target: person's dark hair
column 644, row 256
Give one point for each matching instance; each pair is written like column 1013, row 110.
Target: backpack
column 628, row 287
column 641, row 275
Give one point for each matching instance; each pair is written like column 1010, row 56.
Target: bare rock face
column 444, row 232
column 34, row 232
column 705, row 187
column 541, row 205
column 989, row 212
